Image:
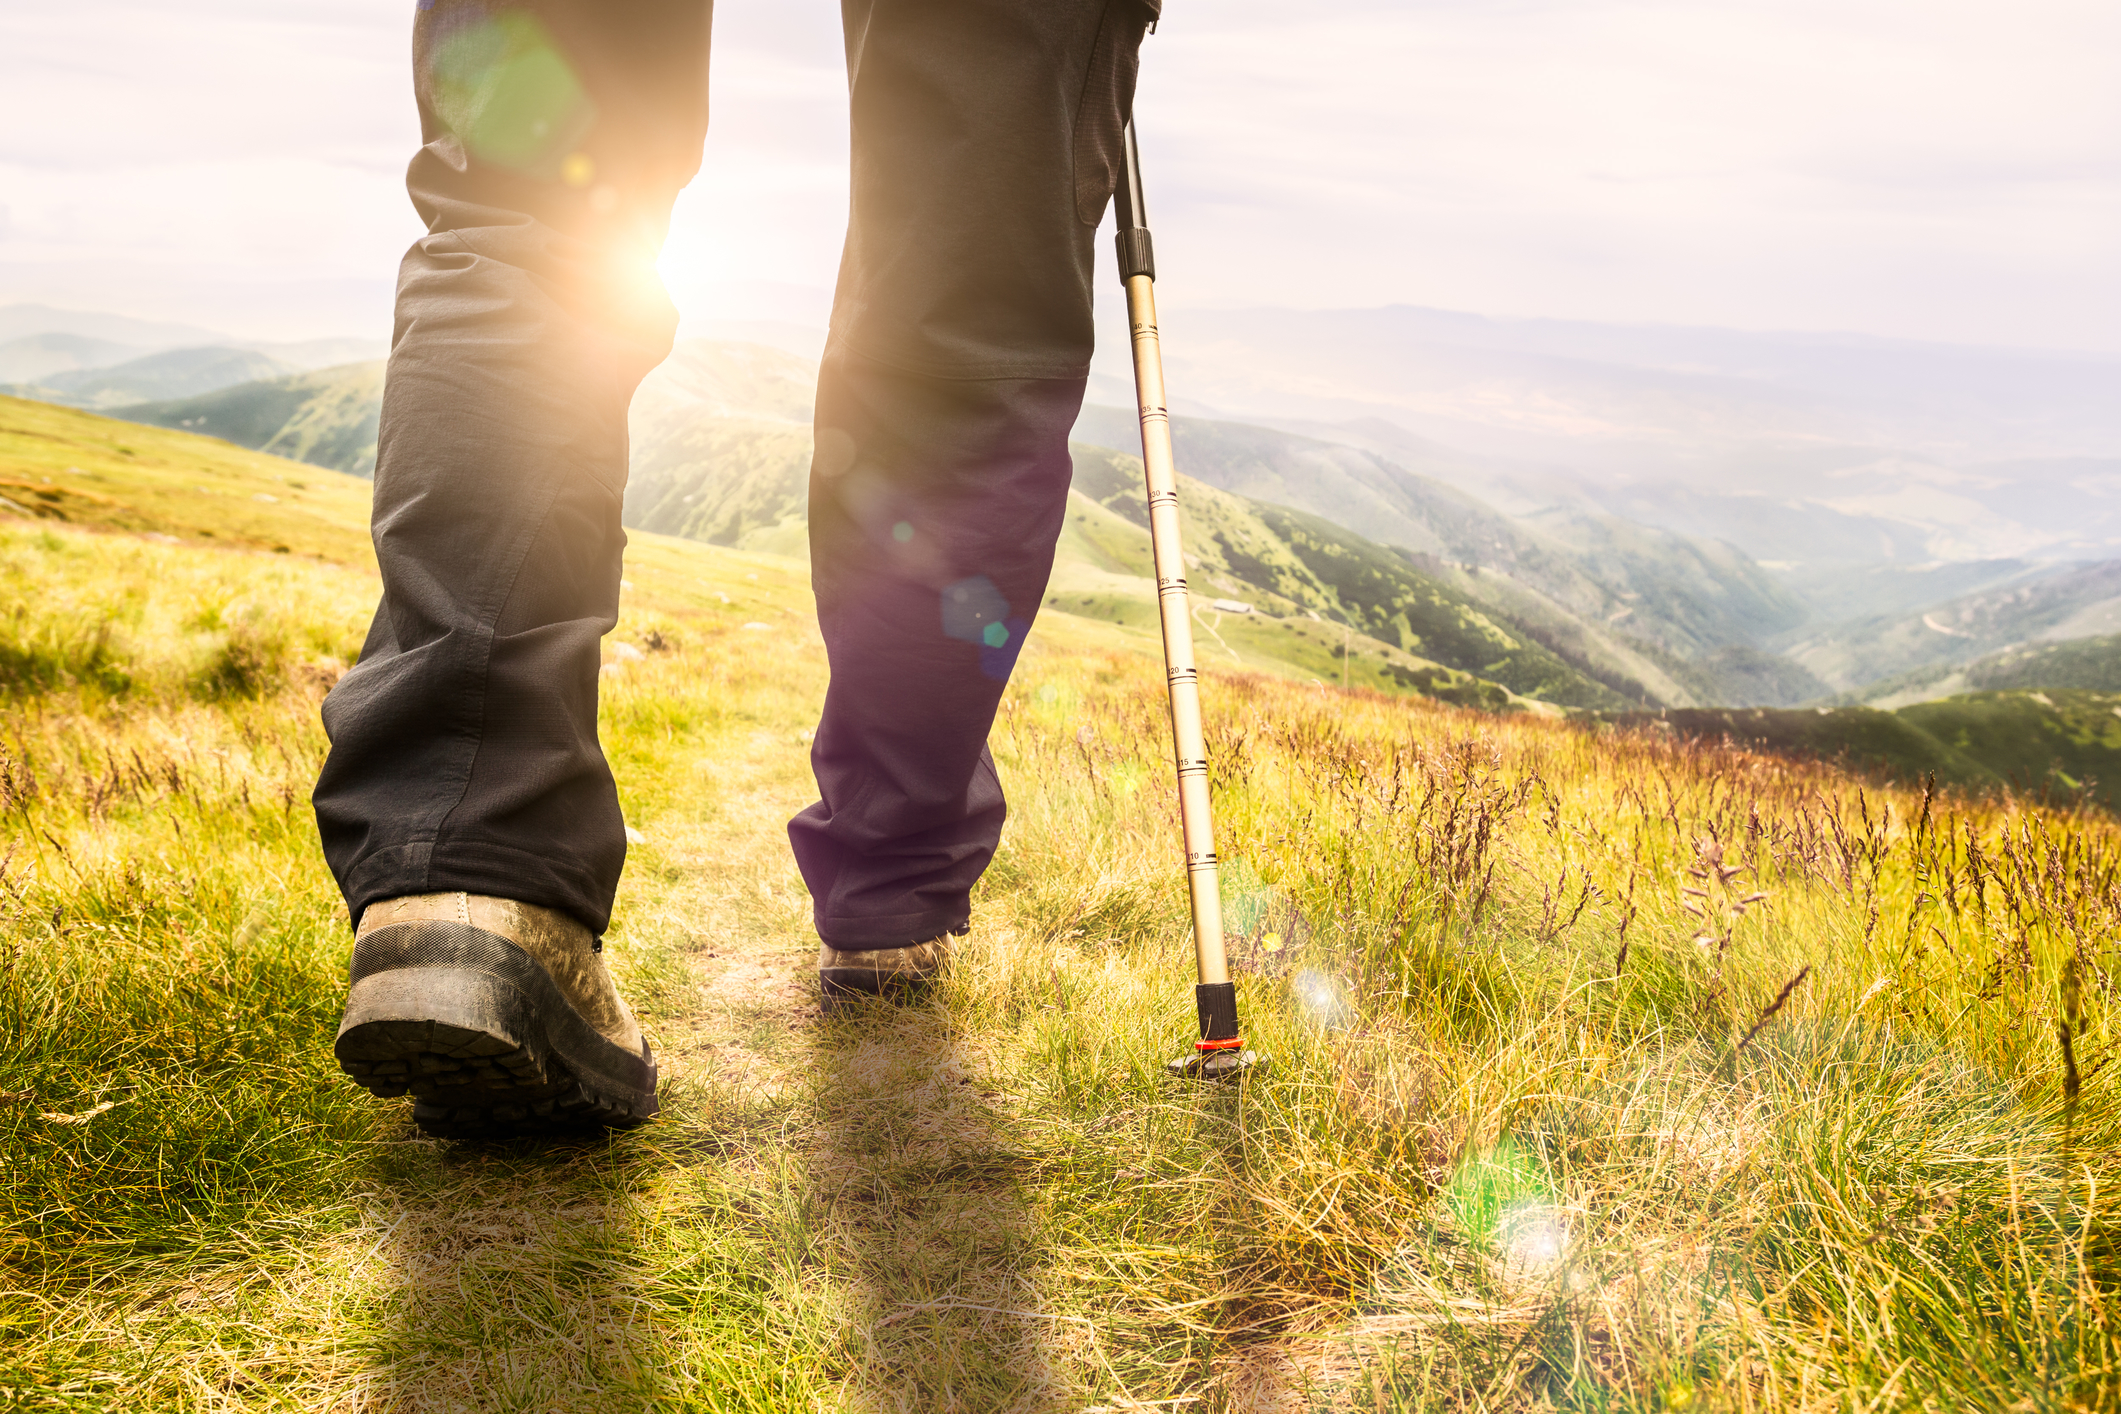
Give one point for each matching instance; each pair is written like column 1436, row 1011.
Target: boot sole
column 477, row 1032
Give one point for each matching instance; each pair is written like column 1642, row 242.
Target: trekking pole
column 1219, row 1053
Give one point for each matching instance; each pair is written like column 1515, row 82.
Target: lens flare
column 970, row 606
column 1503, row 1199
column 975, row 612
column 504, row 88
column 1532, row 1237
column 1321, row 1000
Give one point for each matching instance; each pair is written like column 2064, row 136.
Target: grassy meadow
column 1610, row 1071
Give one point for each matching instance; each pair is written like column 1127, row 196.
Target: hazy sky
column 1923, row 168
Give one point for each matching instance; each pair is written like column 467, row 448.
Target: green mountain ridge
column 328, row 418
column 1641, row 615
column 2091, row 664
column 2056, row 744
column 726, row 481
column 1886, row 654
column 170, row 373
column 1311, row 565
column 1623, row 599
column 2074, row 664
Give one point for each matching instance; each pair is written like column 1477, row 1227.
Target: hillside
column 724, row 481
column 2087, row 664
column 1625, row 600
column 172, row 373
column 327, row 418
column 2082, row 664
column 1606, row 1071
column 2040, row 602
column 1678, row 594
column 721, row 446
column 1294, row 564
column 1650, row 615
column 2057, row 745
column 704, row 475
column 66, row 467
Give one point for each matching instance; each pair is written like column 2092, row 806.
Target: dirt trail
column 722, row 892
column 871, row 1144
column 509, row 1276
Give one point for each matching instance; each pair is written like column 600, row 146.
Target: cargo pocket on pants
column 1107, row 99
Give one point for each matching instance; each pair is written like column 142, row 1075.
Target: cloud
column 1921, row 168
column 1910, row 168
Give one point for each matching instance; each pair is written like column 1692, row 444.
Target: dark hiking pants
column 464, row 749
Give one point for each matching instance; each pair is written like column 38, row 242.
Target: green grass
column 2061, row 746
column 63, row 467
column 1535, row 1135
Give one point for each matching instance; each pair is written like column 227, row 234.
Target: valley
column 1349, row 543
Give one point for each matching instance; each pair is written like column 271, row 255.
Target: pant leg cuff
column 478, row 867
column 890, row 930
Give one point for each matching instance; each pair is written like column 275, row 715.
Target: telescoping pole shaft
column 1215, row 997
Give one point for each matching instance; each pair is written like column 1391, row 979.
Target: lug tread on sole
column 468, row 1084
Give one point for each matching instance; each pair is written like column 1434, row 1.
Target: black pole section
column 1137, row 255
column 1217, row 1004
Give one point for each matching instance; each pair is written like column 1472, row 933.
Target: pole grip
column 1130, row 213
column 1137, row 254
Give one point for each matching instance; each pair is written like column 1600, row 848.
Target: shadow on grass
column 918, row 1175
column 508, row 1284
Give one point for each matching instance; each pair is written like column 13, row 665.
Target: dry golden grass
column 1557, row 1117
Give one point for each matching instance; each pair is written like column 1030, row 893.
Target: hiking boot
column 875, row 971
column 497, row 1016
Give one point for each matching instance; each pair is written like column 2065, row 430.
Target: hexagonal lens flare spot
column 973, row 606
column 503, row 87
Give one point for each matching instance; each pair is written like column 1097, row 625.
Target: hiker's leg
column 985, row 136
column 464, row 750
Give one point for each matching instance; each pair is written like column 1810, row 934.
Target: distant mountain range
column 174, row 373
column 1673, row 517
column 1646, row 609
column 105, row 362
column 721, row 452
column 122, row 338
column 1804, row 449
